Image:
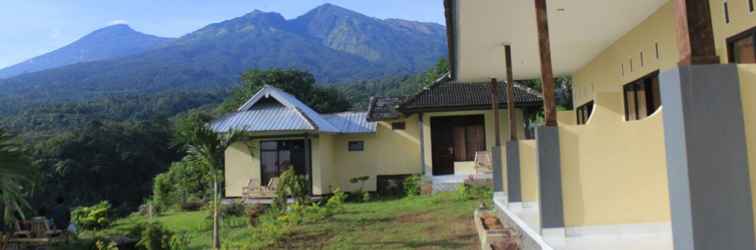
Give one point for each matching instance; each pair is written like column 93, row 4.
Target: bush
column 335, row 203
column 155, row 237
column 192, row 205
column 185, row 182
column 413, row 185
column 291, row 184
column 474, row 192
column 94, row 217
column 103, row 245
column 236, row 208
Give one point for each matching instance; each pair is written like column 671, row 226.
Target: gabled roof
column 273, row 110
column 456, row 95
column 447, row 95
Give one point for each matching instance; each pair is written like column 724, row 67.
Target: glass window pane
column 641, row 102
column 743, row 50
column 269, row 145
column 268, row 164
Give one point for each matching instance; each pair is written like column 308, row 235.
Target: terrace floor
column 626, row 237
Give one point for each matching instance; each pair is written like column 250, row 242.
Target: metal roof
column 351, row 122
column 273, row 110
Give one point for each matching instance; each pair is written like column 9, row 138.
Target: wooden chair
column 4, row 241
column 483, row 162
column 41, row 228
column 255, row 190
column 23, row 229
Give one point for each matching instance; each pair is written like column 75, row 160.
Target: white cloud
column 118, row 21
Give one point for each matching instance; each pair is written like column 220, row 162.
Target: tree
column 16, row 176
column 207, row 148
column 298, row 83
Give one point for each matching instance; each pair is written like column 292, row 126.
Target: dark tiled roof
column 384, row 108
column 450, row 95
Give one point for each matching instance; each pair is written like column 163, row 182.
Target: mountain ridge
column 335, row 44
column 109, row 42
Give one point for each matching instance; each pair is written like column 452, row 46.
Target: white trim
column 620, row 230
column 521, row 224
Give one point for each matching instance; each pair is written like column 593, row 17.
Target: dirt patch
column 415, row 217
column 303, row 240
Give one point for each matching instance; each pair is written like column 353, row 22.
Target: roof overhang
column 579, row 31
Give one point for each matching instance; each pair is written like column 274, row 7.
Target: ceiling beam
column 510, row 94
column 547, row 73
column 695, row 34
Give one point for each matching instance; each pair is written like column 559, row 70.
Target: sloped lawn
column 438, row 222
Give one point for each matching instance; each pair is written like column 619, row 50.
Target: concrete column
column 707, row 164
column 550, row 180
column 514, row 189
column 421, row 128
column 497, row 169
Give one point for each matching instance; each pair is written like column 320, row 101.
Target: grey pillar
column 549, row 178
column 707, row 164
column 514, row 189
column 497, row 169
column 421, row 128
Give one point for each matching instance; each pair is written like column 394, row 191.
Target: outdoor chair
column 23, row 229
column 41, row 228
column 255, row 190
column 483, row 162
column 4, row 241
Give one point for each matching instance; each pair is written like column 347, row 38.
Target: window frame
column 584, row 112
column 646, row 87
column 356, row 146
column 279, row 148
column 737, row 37
column 399, row 125
column 751, row 6
column 726, row 8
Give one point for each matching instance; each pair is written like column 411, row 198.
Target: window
column 278, row 156
column 398, row 126
column 741, row 48
column 631, row 65
column 622, row 69
column 584, row 113
column 726, row 11
column 750, row 6
column 642, row 97
column 356, row 146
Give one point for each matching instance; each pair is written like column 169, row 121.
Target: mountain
column 107, row 43
column 337, row 45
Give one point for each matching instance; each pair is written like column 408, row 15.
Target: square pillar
column 550, row 181
column 707, row 163
column 514, row 189
column 497, row 169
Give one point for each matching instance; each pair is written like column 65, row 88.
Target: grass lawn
column 437, row 222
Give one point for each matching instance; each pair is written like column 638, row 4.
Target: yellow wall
column 748, row 95
column 613, row 171
column 610, row 165
column 740, row 20
column 387, row 152
column 241, row 166
column 528, row 171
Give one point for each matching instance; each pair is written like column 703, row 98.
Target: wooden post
column 495, row 108
column 510, row 95
column 695, row 35
column 547, row 74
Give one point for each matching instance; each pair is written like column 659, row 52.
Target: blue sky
column 32, row 27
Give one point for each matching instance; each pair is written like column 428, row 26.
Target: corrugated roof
column 273, row 110
column 293, row 103
column 269, row 119
column 351, row 122
column 457, row 94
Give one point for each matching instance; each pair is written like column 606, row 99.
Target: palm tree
column 15, row 176
column 207, row 147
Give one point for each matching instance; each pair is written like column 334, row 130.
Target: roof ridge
column 527, row 89
column 445, row 78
